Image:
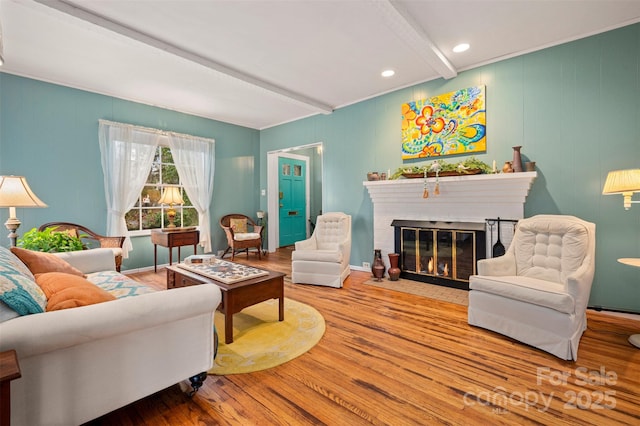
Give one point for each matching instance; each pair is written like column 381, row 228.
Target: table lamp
column 624, row 182
column 15, row 192
column 171, row 196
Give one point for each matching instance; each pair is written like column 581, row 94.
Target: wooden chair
column 241, row 241
column 84, row 233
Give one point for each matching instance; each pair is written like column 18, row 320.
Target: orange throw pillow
column 40, row 262
column 70, row 291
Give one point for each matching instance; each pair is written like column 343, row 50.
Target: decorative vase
column 507, row 167
column 377, row 267
column 517, row 160
column 394, row 271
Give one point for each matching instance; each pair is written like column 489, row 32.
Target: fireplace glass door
column 442, row 253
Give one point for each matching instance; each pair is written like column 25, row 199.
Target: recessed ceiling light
column 388, row 73
column 461, row 47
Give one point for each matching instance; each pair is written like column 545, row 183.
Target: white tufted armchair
column 323, row 259
column 538, row 291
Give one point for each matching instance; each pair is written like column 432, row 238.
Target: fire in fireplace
column 443, row 253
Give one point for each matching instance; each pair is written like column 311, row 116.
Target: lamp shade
column 1, row 46
column 621, row 181
column 171, row 196
column 15, row 192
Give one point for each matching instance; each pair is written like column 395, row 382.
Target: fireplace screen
column 439, row 255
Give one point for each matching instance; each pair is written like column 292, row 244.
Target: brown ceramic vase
column 377, row 268
column 394, row 271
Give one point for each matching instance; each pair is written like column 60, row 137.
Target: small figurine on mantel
column 507, row 168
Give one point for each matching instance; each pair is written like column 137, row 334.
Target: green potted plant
column 50, row 240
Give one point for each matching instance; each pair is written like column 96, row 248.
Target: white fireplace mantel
column 472, row 198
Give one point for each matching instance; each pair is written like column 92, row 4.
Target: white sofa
column 80, row 363
column 323, row 259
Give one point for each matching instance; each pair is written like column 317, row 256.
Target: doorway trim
column 272, row 189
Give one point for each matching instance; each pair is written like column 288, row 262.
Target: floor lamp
column 625, row 182
column 15, row 192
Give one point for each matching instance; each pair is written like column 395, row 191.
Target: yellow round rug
column 261, row 341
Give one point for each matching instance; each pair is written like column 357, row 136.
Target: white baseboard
column 619, row 314
column 359, row 268
column 143, row 269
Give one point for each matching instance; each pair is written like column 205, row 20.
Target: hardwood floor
column 390, row 358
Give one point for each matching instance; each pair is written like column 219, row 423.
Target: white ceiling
column 266, row 62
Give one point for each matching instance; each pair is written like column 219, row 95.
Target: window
column 131, row 183
column 147, row 213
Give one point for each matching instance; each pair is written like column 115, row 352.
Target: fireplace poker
column 491, row 223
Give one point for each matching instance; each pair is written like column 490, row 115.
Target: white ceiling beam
column 411, row 32
column 88, row 16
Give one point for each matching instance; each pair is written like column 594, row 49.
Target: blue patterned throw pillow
column 118, row 285
column 18, row 290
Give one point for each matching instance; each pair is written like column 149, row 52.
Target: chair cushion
column 331, row 229
column 526, row 289
column 244, row 236
column 72, row 232
column 238, row 225
column 550, row 250
column 318, row 255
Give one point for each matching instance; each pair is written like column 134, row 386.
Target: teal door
column 292, row 200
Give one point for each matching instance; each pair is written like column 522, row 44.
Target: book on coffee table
column 222, row 270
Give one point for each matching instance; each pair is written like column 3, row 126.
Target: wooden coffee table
column 236, row 296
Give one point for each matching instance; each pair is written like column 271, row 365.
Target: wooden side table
column 9, row 370
column 173, row 239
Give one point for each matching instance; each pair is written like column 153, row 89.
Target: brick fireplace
column 464, row 203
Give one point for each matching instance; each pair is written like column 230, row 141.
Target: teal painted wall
column 315, row 180
column 49, row 134
column 574, row 108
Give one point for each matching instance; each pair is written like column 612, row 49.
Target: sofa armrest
column 498, row 266
column 36, row 334
column 89, row 261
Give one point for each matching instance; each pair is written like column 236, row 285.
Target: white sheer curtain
column 194, row 159
column 127, row 154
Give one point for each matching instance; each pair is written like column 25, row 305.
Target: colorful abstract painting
column 448, row 124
